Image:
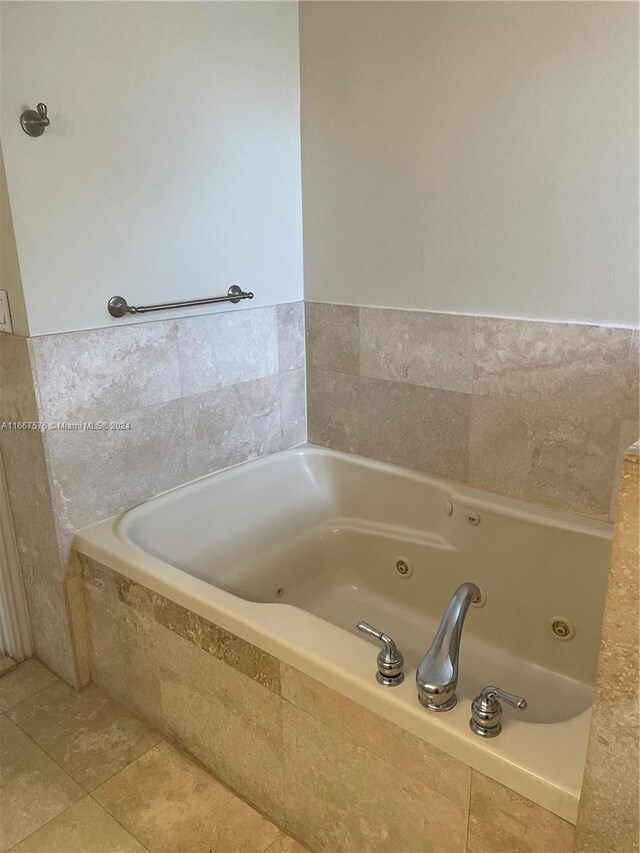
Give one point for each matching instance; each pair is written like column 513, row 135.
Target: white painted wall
column 472, row 157
column 172, row 165
column 9, row 266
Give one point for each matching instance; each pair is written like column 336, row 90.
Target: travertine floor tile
column 30, row 677
column 33, row 789
column 286, row 844
column 87, row 733
column 171, row 806
column 7, row 665
column 84, row 828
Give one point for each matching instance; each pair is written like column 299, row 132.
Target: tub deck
column 291, row 550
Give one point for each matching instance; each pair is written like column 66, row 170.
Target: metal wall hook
column 33, row 122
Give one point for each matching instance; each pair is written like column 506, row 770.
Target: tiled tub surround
column 333, row 773
column 536, row 410
column 319, row 554
column 200, row 393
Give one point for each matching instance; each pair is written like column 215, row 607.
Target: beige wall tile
column 291, row 336
column 582, row 368
column 501, row 821
column 539, row 454
column 227, row 721
column 84, row 828
column 420, row 428
column 27, row 480
column 47, row 604
column 33, row 789
column 332, row 336
column 341, row 797
column 25, row 471
column 332, row 409
column 608, row 816
column 621, row 621
column 133, row 464
column 234, row 651
column 118, row 588
column 43, row 574
column 17, row 396
column 632, row 396
column 102, row 372
column 418, row 347
column 232, row 424
column 227, row 348
column 87, row 734
column 293, row 406
column 30, row 678
column 629, row 434
column 122, row 654
column 170, row 804
column 407, row 753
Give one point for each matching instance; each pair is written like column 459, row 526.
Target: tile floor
column 79, row 774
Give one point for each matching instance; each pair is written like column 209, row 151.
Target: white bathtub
column 290, row 551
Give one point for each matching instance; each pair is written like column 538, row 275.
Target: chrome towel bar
column 118, row 307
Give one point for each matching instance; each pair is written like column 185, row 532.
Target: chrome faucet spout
column 437, row 675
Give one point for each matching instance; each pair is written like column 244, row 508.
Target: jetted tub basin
column 291, row 550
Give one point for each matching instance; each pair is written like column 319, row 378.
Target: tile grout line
column 55, row 760
column 281, row 666
column 466, row 838
column 46, row 823
column 86, row 793
column 113, row 817
column 45, row 753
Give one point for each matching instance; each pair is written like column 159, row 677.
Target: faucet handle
column 486, row 710
column 390, row 659
column 518, row 702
